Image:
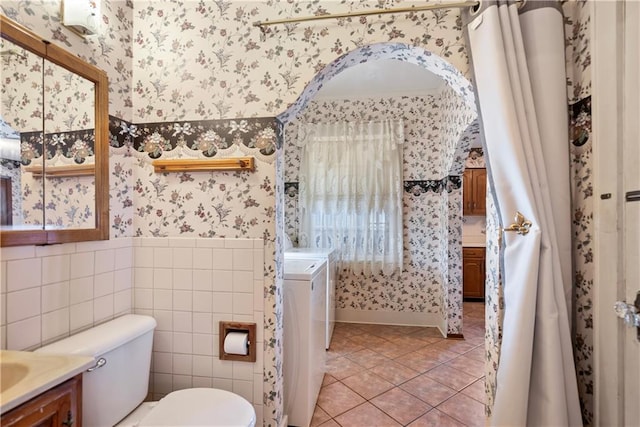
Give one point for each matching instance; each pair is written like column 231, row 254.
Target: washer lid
column 309, row 253
column 302, row 269
column 201, row 407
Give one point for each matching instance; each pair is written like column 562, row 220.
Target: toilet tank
column 110, row 392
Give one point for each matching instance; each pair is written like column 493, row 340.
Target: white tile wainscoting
column 188, row 285
column 50, row 292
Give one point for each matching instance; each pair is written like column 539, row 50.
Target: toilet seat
column 200, row 407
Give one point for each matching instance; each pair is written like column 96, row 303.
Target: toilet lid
column 201, row 407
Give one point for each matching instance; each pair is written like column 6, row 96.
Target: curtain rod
column 461, row 4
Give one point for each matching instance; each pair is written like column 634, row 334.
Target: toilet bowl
column 193, row 407
column 113, row 392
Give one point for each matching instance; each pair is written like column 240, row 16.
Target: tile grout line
column 363, row 330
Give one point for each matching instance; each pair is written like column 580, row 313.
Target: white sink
column 24, row 375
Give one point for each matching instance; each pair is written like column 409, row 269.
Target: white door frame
column 608, row 68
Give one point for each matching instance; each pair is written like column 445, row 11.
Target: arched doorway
column 459, row 141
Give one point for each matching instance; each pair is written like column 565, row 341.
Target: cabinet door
column 473, row 277
column 474, row 192
column 58, row 407
column 479, row 191
column 467, row 192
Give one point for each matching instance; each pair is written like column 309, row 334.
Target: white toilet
column 113, row 392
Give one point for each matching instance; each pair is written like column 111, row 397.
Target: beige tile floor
column 380, row 375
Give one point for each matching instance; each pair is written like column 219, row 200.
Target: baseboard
column 285, row 421
column 390, row 318
column 455, row 336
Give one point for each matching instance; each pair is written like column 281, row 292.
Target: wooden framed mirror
column 54, row 152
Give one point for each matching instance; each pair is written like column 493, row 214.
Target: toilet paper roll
column 236, row 343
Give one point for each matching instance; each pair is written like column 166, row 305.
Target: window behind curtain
column 350, row 194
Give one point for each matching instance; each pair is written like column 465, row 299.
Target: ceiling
column 384, row 77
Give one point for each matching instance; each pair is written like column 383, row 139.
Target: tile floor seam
column 368, row 407
column 447, row 412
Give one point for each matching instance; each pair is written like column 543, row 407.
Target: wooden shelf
column 61, row 171
column 198, row 165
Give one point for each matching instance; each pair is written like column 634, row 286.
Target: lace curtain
column 350, row 194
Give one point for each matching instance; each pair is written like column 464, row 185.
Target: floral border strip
column 10, row 164
column 121, row 132
column 209, row 137
column 76, row 145
column 448, row 184
column 291, row 189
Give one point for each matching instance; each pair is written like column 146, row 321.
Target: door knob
column 629, row 313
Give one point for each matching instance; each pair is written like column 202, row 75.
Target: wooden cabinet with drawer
column 473, row 273
column 474, row 192
column 60, row 406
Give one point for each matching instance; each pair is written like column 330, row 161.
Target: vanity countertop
column 474, row 241
column 24, row 374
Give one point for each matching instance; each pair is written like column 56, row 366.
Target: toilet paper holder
column 250, row 329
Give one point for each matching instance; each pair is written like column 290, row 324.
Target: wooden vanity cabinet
column 474, row 192
column 473, row 273
column 60, row 406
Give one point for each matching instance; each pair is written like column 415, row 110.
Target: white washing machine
column 305, row 282
column 329, row 255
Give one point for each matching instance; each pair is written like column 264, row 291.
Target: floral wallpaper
column 460, row 120
column 577, row 20
column 578, row 53
column 121, row 164
column 21, row 90
column 494, row 302
column 69, row 201
column 110, row 51
column 453, row 282
column 204, row 204
column 582, row 232
column 221, row 66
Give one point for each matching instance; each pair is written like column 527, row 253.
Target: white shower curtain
column 350, row 195
column 518, row 62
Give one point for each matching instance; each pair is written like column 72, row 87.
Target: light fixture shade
column 82, row 16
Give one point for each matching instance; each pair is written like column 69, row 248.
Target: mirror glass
column 21, row 133
column 54, row 151
column 69, row 160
